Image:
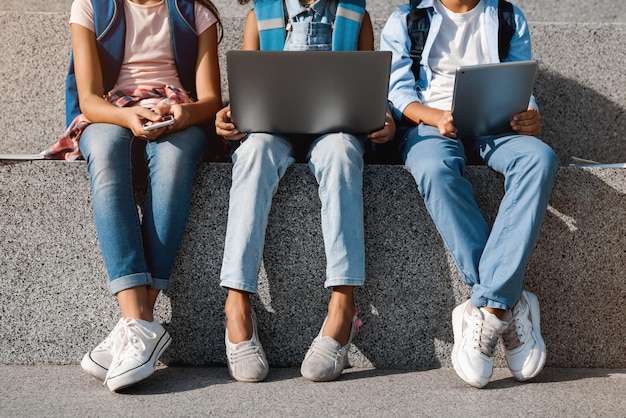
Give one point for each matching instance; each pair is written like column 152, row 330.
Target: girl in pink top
column 112, row 137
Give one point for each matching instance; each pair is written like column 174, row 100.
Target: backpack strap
column 418, row 25
column 185, row 40
column 270, row 17
column 506, row 28
column 110, row 34
column 347, row 25
column 110, row 27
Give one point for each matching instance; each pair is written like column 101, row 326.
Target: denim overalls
column 260, row 162
column 309, row 30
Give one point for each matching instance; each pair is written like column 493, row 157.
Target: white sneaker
column 246, row 360
column 326, row 358
column 476, row 335
column 138, row 346
column 97, row 361
column 524, row 347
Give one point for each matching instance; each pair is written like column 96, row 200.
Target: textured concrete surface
column 535, row 10
column 580, row 87
column 64, row 391
column 52, row 274
column 49, row 247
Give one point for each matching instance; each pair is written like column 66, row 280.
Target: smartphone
column 165, row 121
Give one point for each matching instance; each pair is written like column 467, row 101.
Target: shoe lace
column 485, row 337
column 325, row 349
column 128, row 343
column 244, row 352
column 515, row 334
column 511, row 336
column 109, row 341
column 107, row 344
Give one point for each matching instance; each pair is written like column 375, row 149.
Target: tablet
column 487, row 96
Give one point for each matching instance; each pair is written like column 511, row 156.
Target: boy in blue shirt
column 491, row 260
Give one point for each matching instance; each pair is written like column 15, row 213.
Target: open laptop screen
column 308, row 92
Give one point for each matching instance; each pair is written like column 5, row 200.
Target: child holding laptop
column 260, row 161
column 491, row 260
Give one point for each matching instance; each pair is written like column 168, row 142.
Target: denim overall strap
column 348, row 24
column 310, row 27
column 270, row 17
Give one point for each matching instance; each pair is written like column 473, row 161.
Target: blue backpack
column 418, row 23
column 110, row 28
column 270, row 17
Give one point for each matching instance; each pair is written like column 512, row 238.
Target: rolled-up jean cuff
column 129, row 281
column 343, row 281
column 239, row 286
column 480, row 302
column 160, row 284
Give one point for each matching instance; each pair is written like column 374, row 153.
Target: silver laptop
column 487, row 96
column 308, row 92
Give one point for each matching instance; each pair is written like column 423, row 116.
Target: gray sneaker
column 326, row 358
column 475, row 338
column 524, row 347
column 246, row 360
column 97, row 361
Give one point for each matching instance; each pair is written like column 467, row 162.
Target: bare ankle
column 499, row 313
column 341, row 311
column 238, row 320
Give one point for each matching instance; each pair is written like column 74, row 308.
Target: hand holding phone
column 165, row 121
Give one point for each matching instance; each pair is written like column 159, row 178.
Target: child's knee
column 338, row 149
column 261, row 145
column 543, row 160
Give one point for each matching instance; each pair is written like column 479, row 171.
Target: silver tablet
column 486, row 97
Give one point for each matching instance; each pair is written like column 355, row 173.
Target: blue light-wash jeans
column 492, row 262
column 140, row 252
column 260, row 162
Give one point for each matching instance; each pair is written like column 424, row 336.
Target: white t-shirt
column 461, row 41
column 148, row 53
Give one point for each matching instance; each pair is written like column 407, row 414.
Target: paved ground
column 55, row 391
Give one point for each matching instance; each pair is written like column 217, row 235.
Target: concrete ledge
column 54, row 304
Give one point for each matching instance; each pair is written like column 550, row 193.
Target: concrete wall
column 606, row 11
column 579, row 87
column 54, row 305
